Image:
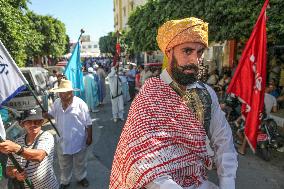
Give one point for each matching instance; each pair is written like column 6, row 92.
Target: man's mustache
column 189, row 67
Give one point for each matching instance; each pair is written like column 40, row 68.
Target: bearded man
column 165, row 143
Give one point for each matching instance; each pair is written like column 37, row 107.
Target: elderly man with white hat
column 173, row 119
column 74, row 124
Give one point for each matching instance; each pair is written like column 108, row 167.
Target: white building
column 88, row 48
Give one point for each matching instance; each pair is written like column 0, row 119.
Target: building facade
column 88, row 48
column 122, row 10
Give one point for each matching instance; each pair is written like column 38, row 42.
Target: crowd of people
column 174, row 132
column 273, row 100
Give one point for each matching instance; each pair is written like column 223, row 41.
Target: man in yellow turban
column 165, row 141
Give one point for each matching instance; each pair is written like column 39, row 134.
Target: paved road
column 252, row 172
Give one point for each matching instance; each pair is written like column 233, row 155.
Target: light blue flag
column 73, row 71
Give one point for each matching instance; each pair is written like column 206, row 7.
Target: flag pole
column 82, row 31
column 18, row 167
column 43, row 110
column 117, row 51
column 116, row 61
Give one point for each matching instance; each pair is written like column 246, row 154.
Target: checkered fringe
column 161, row 137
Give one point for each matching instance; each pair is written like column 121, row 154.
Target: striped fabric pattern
column 41, row 174
column 161, row 137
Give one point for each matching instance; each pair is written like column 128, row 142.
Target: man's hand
column 9, row 147
column 46, row 115
column 19, row 176
column 89, row 140
column 89, row 135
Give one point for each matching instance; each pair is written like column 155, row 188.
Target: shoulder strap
column 207, row 101
column 35, row 143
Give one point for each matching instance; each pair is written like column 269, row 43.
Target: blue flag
column 73, row 71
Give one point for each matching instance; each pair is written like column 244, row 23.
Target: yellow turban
column 176, row 32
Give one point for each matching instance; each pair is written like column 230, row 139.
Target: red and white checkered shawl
column 161, row 137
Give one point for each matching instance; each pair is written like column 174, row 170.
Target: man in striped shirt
column 34, row 152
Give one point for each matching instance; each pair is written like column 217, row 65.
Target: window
column 89, row 46
column 131, row 5
column 124, row 11
column 95, row 46
column 39, row 79
column 29, row 79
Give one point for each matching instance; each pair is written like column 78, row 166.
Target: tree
column 107, row 43
column 27, row 35
column 228, row 19
column 14, row 30
column 53, row 32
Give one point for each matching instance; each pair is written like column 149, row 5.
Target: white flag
column 12, row 80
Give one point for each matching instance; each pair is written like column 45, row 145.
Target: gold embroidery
column 192, row 100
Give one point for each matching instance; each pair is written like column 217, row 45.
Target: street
column 252, row 172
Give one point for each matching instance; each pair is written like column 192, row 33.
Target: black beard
column 182, row 78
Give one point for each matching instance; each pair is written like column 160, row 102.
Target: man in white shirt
column 165, row 141
column 147, row 74
column 131, row 80
column 74, row 124
column 270, row 101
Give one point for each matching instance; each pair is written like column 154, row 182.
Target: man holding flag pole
column 249, row 81
column 8, row 90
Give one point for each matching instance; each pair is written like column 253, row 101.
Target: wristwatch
column 20, row 151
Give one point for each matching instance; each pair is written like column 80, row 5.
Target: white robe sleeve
column 163, row 182
column 223, row 146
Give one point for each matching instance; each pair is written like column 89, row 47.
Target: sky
column 94, row 16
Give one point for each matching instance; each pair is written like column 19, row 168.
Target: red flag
column 117, row 47
column 117, row 54
column 249, row 80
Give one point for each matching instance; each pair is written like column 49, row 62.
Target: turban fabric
column 176, row 32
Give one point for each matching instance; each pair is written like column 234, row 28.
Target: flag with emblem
column 12, row 80
column 73, row 70
column 249, row 80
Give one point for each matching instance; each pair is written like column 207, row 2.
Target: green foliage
column 53, row 34
column 27, row 35
column 18, row 4
column 275, row 23
column 228, row 19
column 107, row 43
column 13, row 31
